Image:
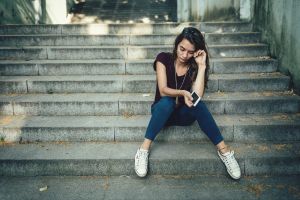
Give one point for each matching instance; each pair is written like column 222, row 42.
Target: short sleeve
column 163, row 58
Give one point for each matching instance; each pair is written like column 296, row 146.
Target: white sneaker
column 231, row 164
column 141, row 162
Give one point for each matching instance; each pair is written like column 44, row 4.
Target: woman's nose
column 185, row 54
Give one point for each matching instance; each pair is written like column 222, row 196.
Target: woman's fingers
column 199, row 53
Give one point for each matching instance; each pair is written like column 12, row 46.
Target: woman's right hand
column 188, row 98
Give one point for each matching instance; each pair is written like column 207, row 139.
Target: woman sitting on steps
column 178, row 74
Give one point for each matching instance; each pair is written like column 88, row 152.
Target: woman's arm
column 161, row 75
column 198, row 85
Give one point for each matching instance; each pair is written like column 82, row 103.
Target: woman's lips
column 182, row 60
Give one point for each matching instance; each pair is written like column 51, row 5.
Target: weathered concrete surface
column 154, row 187
column 115, row 66
column 238, row 128
column 91, row 158
column 139, row 104
column 279, row 23
column 135, row 29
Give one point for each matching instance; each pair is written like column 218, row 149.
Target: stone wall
column 208, row 10
column 279, row 23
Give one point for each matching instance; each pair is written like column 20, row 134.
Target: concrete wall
column 208, row 10
column 33, row 11
column 279, row 23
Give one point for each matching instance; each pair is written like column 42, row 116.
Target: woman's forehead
column 187, row 45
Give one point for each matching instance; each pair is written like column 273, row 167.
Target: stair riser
column 225, row 27
column 30, row 29
column 237, row 52
column 106, row 134
column 215, row 52
column 189, row 134
column 244, row 67
column 112, row 167
column 122, row 28
column 136, row 86
column 119, row 40
column 143, row 107
column 139, row 68
column 62, row 53
column 244, row 38
column 62, row 69
column 60, row 87
column 120, row 53
column 226, row 107
column 64, row 40
column 266, row 133
column 23, row 54
column 211, row 39
column 64, row 108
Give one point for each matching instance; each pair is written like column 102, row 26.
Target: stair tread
column 123, row 34
column 150, row 61
column 130, row 46
column 160, row 151
column 137, row 77
column 95, row 97
column 140, row 120
column 142, row 96
column 158, row 187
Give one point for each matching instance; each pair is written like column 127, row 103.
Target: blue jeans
column 164, row 113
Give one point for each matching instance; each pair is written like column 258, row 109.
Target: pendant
column 177, row 102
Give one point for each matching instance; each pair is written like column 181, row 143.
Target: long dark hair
column 195, row 37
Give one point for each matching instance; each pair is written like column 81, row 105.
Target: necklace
column 177, row 101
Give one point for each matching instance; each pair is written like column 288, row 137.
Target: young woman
column 178, row 74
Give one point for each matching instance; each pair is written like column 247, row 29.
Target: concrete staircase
column 75, row 101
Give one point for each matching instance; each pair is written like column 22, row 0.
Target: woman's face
column 185, row 50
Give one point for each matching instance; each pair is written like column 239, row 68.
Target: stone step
column 114, row 67
column 130, row 52
column 90, row 159
column 132, row 83
column 140, row 104
column 158, row 187
column 117, row 40
column 244, row 65
column 124, row 28
column 62, row 67
column 238, row 128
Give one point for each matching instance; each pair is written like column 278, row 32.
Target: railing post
column 54, row 11
column 37, row 11
column 183, row 10
column 246, row 9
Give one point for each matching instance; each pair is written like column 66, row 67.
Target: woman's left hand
column 200, row 58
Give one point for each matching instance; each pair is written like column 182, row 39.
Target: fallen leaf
column 127, row 114
column 257, row 189
column 43, row 189
column 263, row 148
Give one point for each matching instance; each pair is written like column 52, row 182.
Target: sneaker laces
column 230, row 161
column 142, row 158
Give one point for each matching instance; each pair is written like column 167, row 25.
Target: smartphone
column 196, row 98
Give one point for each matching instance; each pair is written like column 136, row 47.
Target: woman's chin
column 183, row 61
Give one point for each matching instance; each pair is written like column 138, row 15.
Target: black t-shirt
column 168, row 60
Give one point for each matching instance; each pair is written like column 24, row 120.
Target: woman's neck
column 180, row 68
column 180, row 64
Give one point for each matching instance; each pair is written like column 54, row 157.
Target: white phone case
column 196, row 98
